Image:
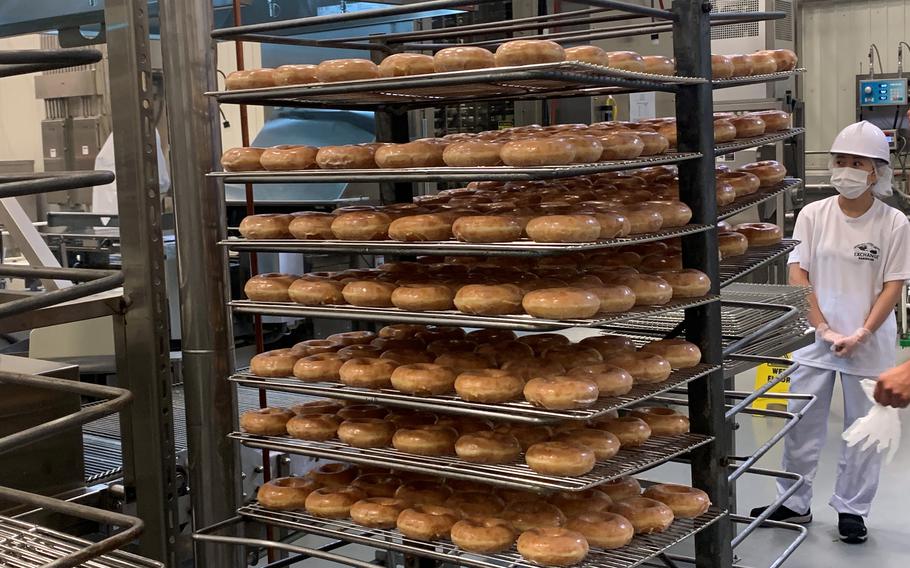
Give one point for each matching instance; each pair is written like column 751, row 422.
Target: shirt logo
column 866, row 251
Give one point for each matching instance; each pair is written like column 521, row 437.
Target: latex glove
column 880, row 428
column 847, row 345
column 825, row 333
column 893, row 387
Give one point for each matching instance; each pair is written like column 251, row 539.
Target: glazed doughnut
column 540, row 342
column 613, row 298
column 533, row 513
column 314, row 427
column 473, row 153
column 271, row 421
column 646, row 515
column 731, row 243
column 748, row 126
column 431, row 227
column 630, row 430
column 438, row 347
column 649, row 290
column 645, row 368
column 354, row 351
column 531, row 152
column 680, row 353
column 561, row 392
column 621, row 145
column 269, row 287
column 483, row 535
column 361, row 226
column 560, row 458
column 250, row 79
column 301, row 74
column 423, row 379
column 674, row 213
column 588, row 149
column 362, row 411
column 403, row 418
column 311, row 225
column 655, row 142
column 564, row 229
column 642, row 218
column 561, row 303
column 317, row 407
column 348, row 157
column 423, row 297
column 620, row 489
column 317, row 346
column 604, row 444
column 486, row 229
column 319, row 367
column 481, row 336
column 366, row 432
column 335, row 70
column 335, row 475
column 785, row 59
column 285, row 493
column 429, row 491
column 377, row 512
column 760, row 234
column 265, row 226
column 353, row 337
column 668, row 129
column 377, row 484
column 488, row 386
column 488, row 448
column 775, row 120
column 400, row 331
column 573, row 355
column 427, row 522
column 552, row 546
column 527, row 436
column 685, row 502
column 769, row 172
column 502, row 351
column 473, row 502
column 528, row 52
column 742, row 65
column 663, row 421
column 367, row 373
column 462, row 58
column 687, row 283
column 721, row 67
column 466, row 425
column 588, row 54
column 603, row 529
column 402, row 64
column 461, row 362
column 744, row 183
column 275, row 363
column 607, row 345
column 627, row 61
column 287, row 158
column 489, row 300
column 659, row 65
column 369, row 293
column 332, row 503
column 724, row 193
column 724, row 131
column 610, row 380
column 576, row 503
column 763, row 63
column 430, row 440
column 410, row 155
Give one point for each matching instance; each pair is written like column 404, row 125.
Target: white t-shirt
column 848, row 261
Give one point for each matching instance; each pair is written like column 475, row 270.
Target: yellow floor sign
column 766, row 373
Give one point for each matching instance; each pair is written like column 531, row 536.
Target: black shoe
column 785, row 515
column 852, row 529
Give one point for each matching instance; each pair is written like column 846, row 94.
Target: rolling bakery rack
column 728, row 329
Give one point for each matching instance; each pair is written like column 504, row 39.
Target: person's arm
column 800, row 277
column 881, row 310
column 893, row 387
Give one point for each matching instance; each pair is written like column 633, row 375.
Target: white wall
column 227, row 62
column 20, row 112
column 836, row 35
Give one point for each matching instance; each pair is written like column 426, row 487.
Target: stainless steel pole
column 214, row 463
column 141, row 334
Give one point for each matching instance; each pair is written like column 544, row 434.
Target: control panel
column 891, row 136
column 882, row 92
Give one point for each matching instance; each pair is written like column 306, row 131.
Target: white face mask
column 850, row 182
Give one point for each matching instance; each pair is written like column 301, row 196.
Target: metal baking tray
column 519, row 411
column 749, row 201
column 481, row 173
column 634, row 554
column 735, row 267
column 517, row 475
column 543, row 80
column 737, row 81
column 523, row 247
column 520, row 322
column 745, row 143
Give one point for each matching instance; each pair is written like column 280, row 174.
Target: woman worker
column 855, row 253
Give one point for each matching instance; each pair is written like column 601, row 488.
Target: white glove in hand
column 845, row 346
column 825, row 333
column 880, row 428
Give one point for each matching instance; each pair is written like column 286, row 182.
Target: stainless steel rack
column 518, row 475
column 518, row 411
column 745, row 143
column 638, row 551
column 750, row 201
column 519, row 322
column 736, row 267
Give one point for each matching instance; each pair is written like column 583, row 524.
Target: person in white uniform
column 854, row 252
column 104, row 197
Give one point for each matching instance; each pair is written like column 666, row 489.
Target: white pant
column 857, row 472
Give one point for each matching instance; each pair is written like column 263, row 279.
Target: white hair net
column 883, row 174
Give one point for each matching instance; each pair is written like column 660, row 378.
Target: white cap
column 862, row 139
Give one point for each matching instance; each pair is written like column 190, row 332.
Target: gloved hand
column 880, row 428
column 845, row 346
column 825, row 333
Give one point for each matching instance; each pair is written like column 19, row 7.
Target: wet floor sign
column 765, row 373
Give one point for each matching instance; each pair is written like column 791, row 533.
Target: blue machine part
column 882, row 92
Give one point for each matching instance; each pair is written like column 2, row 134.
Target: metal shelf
column 24, row 545
column 767, row 78
column 746, row 143
column 736, row 267
column 519, row 411
column 497, row 173
column 637, row 552
column 522, row 322
column 524, row 247
column 749, row 201
column 517, row 475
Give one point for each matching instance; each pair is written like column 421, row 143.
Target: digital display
column 882, row 92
